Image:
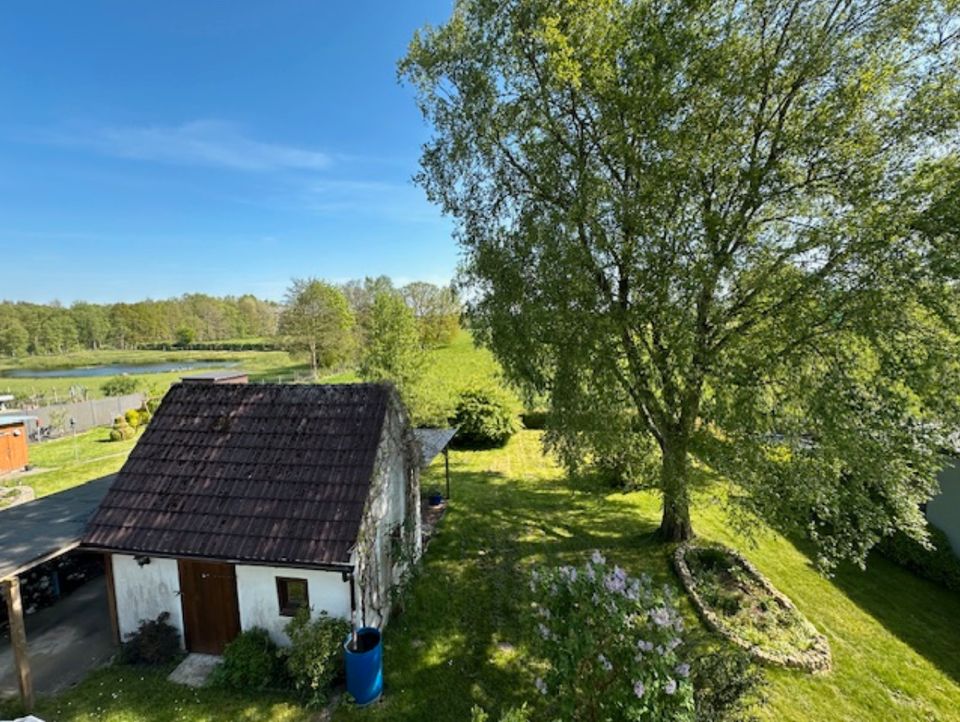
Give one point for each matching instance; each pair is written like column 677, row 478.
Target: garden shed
column 242, row 504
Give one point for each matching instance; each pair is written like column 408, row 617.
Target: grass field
column 67, row 462
column 461, row 640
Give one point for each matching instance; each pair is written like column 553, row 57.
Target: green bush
column 156, row 642
column 153, row 403
column 315, row 657
column 122, row 430
column 119, row 386
column 133, row 418
column 940, row 565
column 251, row 661
column 484, row 419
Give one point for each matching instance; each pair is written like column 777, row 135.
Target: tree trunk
column 675, row 524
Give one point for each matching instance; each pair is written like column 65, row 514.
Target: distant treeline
column 30, row 328
column 198, row 321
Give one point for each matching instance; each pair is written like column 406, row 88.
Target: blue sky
column 149, row 149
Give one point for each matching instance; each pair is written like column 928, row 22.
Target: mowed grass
column 67, row 462
column 462, row 640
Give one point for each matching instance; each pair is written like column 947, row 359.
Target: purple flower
column 544, row 630
column 645, row 646
column 540, row 685
column 613, row 583
column 604, row 662
column 671, row 686
column 673, row 644
column 597, row 557
column 591, row 574
column 660, row 616
column 638, row 689
column 683, row 670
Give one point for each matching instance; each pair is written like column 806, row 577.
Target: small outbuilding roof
column 38, row 530
column 432, row 442
column 267, row 473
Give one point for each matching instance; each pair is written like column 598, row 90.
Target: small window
column 292, row 595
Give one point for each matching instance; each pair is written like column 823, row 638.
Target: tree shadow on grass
column 918, row 612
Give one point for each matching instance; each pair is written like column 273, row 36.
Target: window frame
column 283, row 595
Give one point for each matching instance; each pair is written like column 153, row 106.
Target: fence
column 85, row 414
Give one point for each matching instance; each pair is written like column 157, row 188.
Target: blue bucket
column 364, row 665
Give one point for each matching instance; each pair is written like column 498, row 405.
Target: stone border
column 814, row 660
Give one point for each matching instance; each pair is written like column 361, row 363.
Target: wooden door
column 208, row 593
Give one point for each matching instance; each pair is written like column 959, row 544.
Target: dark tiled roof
column 260, row 473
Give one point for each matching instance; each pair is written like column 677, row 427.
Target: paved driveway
column 66, row 641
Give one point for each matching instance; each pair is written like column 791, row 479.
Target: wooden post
column 18, row 640
column 446, row 466
column 111, row 597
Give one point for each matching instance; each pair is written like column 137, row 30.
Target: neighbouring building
column 243, row 503
column 14, row 453
column 943, row 510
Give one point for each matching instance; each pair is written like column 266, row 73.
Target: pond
column 113, row 370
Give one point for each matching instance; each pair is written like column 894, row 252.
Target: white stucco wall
column 943, row 510
column 260, row 607
column 144, row 592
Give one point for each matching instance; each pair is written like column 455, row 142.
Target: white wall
column 260, row 607
column 144, row 592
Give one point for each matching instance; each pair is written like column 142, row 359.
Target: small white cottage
column 243, row 503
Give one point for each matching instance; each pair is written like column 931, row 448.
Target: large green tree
column 700, row 222
column 391, row 348
column 436, row 309
column 317, row 319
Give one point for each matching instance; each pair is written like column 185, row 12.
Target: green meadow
column 462, row 639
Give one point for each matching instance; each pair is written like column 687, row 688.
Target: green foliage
column 484, row 418
column 437, row 311
column 317, row 320
column 52, row 329
column 391, row 344
column 700, row 217
column 728, row 686
column 155, row 642
column 132, row 417
column 252, row 661
column 936, row 562
column 315, row 657
column 612, row 643
column 122, row 430
column 185, row 336
column 120, row 386
column 514, row 714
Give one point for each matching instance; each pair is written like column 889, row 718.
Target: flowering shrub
column 612, row 644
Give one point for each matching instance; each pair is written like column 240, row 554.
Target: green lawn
column 460, row 642
column 894, row 637
column 67, row 461
column 128, row 694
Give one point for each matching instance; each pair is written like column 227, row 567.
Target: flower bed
column 738, row 602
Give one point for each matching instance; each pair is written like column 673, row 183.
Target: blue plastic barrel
column 364, row 665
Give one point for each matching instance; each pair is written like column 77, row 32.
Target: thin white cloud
column 203, row 142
